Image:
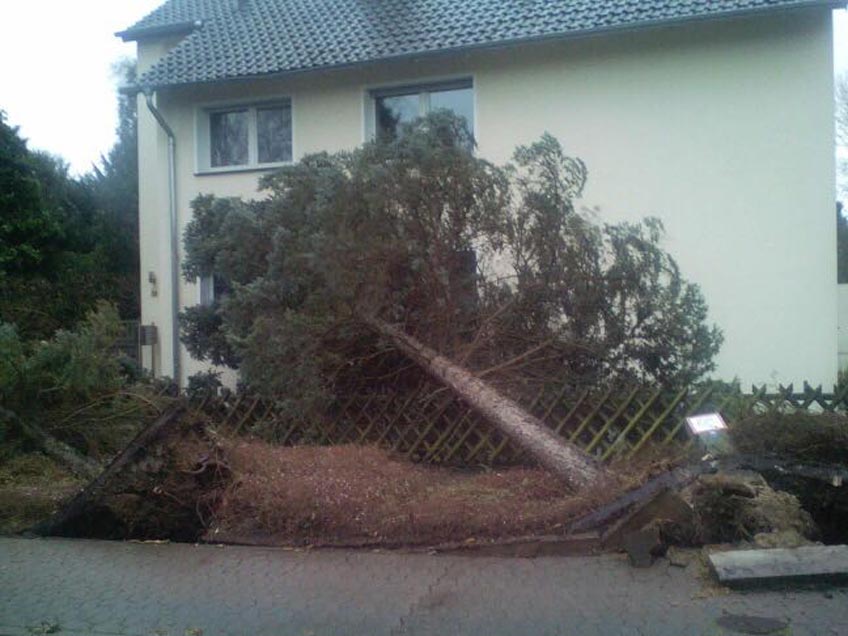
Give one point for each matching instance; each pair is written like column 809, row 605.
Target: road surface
column 72, row 587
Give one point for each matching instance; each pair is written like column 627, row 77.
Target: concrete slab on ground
column 807, row 563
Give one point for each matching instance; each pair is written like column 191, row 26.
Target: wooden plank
column 689, row 411
column 665, row 505
column 816, row 395
column 233, row 412
column 411, row 426
column 839, row 398
column 293, row 427
column 677, row 478
column 647, row 435
column 432, row 422
column 482, row 441
column 586, row 420
column 618, row 413
column 544, row 417
column 757, row 396
column 759, row 567
column 268, row 412
column 445, row 436
column 530, row 547
column 325, row 431
column 363, row 434
column 244, row 419
column 472, row 427
column 622, row 436
column 400, row 412
column 371, row 397
column 561, row 424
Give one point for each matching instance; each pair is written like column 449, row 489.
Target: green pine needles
column 494, row 266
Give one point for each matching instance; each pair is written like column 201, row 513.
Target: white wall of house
column 843, row 327
column 721, row 129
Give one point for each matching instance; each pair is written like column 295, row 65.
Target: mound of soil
column 732, row 507
column 813, row 440
column 164, row 485
column 359, row 495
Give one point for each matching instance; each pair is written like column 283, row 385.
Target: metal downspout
column 175, row 257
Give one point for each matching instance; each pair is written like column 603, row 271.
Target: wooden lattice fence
column 427, row 423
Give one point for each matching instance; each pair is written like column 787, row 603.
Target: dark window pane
column 228, row 138
column 212, row 288
column 207, row 290
column 394, row 111
column 460, row 101
column 274, row 132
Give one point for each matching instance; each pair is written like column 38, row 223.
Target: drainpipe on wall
column 175, row 258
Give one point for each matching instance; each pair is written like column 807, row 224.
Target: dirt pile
column 355, row 494
column 734, row 507
column 819, row 443
column 165, row 486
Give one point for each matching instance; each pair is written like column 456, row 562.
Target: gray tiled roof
column 229, row 39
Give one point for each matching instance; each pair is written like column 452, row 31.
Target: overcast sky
column 56, row 80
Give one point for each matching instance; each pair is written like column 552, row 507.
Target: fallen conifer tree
column 560, row 457
column 492, row 268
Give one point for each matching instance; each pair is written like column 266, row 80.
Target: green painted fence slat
column 622, row 437
column 618, row 413
column 417, row 417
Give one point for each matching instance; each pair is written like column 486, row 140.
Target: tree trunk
column 549, row 449
column 57, row 450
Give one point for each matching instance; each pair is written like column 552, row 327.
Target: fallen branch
column 57, row 450
column 105, row 398
column 519, row 358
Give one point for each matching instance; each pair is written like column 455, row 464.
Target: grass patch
column 32, row 487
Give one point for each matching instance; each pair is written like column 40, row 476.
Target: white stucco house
column 716, row 116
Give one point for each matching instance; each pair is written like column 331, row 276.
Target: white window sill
column 264, row 167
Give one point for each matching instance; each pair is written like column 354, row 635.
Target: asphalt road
column 91, row 587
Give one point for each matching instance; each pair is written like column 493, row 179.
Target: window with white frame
column 395, row 106
column 252, row 136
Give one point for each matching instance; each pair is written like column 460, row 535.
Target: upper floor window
column 396, row 106
column 245, row 136
column 211, row 288
column 229, row 139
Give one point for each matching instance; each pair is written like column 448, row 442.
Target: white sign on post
column 707, row 423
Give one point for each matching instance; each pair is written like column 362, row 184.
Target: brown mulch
column 365, row 495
